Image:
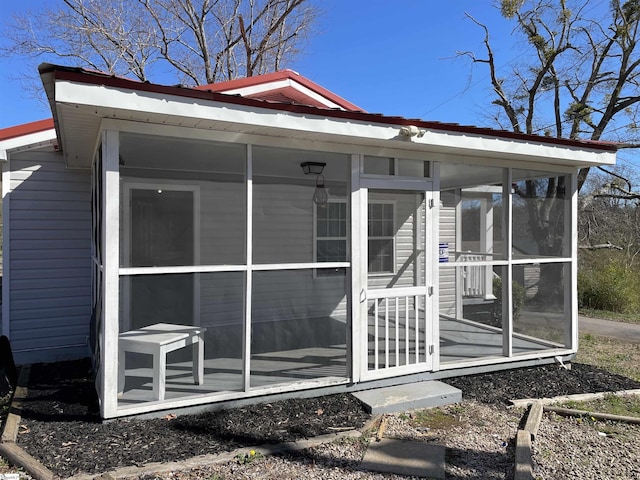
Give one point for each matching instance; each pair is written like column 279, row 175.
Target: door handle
column 363, row 296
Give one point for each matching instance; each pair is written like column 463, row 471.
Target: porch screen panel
column 216, row 305
column 183, row 245
column 541, row 205
column 474, row 322
column 298, row 330
column 283, row 207
column 481, row 230
column 543, row 325
column 183, row 202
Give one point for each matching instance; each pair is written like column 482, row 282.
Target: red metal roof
column 286, row 94
column 26, row 129
column 83, row 76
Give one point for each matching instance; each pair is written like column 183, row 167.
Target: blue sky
column 395, row 57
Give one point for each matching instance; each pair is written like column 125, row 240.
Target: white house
column 289, row 239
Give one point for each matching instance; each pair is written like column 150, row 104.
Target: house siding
column 50, row 258
column 283, row 233
column 447, row 275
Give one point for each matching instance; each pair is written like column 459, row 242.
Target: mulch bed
column 61, row 427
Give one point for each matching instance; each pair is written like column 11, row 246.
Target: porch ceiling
column 79, row 110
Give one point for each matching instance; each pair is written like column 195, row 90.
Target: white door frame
column 138, row 184
column 361, row 184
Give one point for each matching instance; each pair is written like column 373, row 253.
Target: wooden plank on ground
column 524, row 465
column 533, row 419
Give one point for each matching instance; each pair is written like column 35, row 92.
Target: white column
column 248, row 278
column 571, row 273
column 434, row 270
column 457, row 248
column 6, row 240
column 358, row 275
column 507, row 277
column 109, row 327
column 486, row 243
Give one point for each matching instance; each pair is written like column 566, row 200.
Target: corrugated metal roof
column 88, row 77
column 26, row 129
column 289, row 93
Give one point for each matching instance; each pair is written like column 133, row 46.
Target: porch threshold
column 399, row 398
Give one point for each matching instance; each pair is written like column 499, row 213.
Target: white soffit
column 82, row 106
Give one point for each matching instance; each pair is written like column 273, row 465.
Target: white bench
column 158, row 340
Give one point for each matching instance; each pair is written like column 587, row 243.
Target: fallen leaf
column 319, row 411
column 169, row 417
column 24, row 429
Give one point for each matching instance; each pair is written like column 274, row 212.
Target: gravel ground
column 60, row 427
column 575, row 448
column 479, row 445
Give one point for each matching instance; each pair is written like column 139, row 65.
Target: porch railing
column 397, row 328
column 474, row 277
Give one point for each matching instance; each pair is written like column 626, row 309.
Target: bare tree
column 199, row 41
column 610, row 215
column 579, row 79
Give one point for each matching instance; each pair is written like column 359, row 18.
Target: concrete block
column 400, row 398
column 404, row 457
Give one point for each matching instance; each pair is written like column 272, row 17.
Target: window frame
column 328, row 272
column 394, row 266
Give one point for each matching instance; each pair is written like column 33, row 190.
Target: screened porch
column 268, row 312
column 506, row 264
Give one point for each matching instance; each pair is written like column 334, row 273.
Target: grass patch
column 627, row 406
column 436, row 419
column 612, row 355
column 606, row 315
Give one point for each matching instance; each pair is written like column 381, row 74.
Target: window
column 381, row 238
column 331, row 236
column 402, row 167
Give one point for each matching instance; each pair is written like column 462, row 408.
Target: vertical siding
column 447, row 277
column 50, row 242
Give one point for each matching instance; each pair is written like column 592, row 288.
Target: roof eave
column 100, row 96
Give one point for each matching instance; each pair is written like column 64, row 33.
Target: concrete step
column 400, row 398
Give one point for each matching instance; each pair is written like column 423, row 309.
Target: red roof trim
column 276, row 76
column 79, row 75
column 249, row 81
column 26, row 129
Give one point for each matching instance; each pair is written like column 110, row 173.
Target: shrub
column 606, row 283
column 518, row 292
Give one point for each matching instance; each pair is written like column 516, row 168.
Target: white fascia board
column 26, row 142
column 124, row 100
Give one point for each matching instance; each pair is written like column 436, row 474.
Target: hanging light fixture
column 320, row 196
column 315, row 168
